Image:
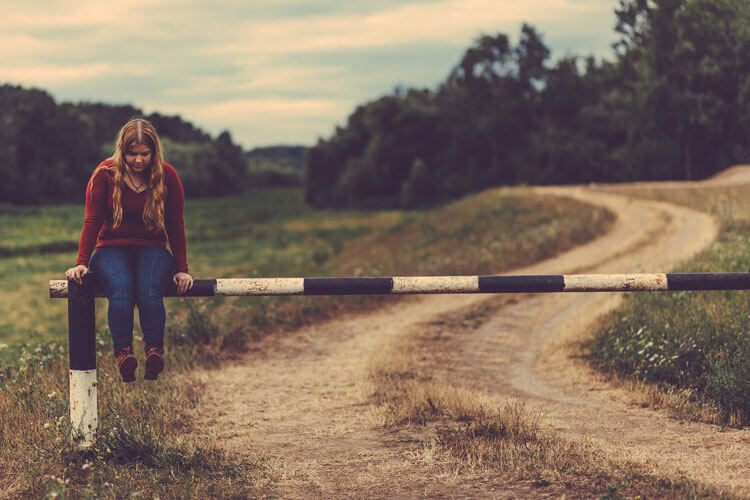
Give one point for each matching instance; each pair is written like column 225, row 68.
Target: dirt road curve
column 302, row 398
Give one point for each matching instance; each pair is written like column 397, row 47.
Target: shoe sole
column 154, row 366
column 127, row 369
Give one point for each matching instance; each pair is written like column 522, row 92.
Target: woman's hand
column 183, row 281
column 77, row 273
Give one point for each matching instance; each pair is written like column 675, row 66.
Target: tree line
column 674, row 103
column 49, row 150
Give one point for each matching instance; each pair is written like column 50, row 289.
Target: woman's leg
column 114, row 273
column 154, row 270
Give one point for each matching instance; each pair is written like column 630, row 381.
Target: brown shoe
column 126, row 364
column 154, row 363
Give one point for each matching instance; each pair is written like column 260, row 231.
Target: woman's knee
column 122, row 296
column 150, row 297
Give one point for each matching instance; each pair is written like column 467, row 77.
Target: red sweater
column 97, row 225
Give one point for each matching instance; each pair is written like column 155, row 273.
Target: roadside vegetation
column 147, row 444
column 691, row 349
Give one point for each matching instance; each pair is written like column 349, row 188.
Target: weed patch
column 694, row 345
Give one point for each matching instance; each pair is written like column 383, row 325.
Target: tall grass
column 694, row 345
column 145, row 443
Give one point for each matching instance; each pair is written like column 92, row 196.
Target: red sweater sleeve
column 96, row 211
column 174, row 218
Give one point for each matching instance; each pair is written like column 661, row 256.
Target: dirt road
column 304, row 399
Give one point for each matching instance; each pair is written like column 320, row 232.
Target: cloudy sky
column 269, row 71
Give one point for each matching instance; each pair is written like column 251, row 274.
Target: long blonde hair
column 135, row 132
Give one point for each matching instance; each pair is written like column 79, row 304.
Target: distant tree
column 472, row 132
column 689, row 60
column 276, row 166
column 232, row 167
column 42, row 149
column 420, row 189
column 177, row 129
column 675, row 103
column 50, row 150
column 367, row 162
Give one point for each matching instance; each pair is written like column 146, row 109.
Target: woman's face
column 138, row 158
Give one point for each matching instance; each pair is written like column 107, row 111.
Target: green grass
column 146, row 445
column 695, row 345
column 28, row 230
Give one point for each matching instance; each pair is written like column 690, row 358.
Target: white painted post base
column 83, row 407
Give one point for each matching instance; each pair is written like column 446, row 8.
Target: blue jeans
column 134, row 275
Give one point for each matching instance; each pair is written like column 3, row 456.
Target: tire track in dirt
column 302, row 399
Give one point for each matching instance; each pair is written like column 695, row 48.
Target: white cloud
column 452, row 21
column 271, row 108
column 80, row 13
column 273, row 80
column 51, row 75
column 291, row 77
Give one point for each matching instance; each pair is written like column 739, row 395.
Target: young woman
column 134, row 204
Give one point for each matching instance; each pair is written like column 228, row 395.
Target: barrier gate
column 81, row 310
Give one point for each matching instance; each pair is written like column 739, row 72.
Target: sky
column 268, row 71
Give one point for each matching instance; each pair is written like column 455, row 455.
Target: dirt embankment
column 304, row 399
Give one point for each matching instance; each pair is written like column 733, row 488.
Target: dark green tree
column 50, row 149
column 689, row 62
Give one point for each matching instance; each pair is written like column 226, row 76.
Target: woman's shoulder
column 169, row 170
column 103, row 171
column 107, row 164
column 170, row 174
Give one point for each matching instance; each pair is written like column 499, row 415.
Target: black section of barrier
column 348, row 286
column 521, row 284
column 201, row 288
column 709, row 281
column 82, row 324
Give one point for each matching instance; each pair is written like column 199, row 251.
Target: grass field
column 692, row 347
column 145, row 444
column 266, row 232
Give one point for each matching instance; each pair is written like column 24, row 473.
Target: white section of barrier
column 614, row 282
column 58, row 289
column 83, row 407
column 436, row 284
column 260, row 286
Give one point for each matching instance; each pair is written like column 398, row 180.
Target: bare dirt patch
column 304, row 400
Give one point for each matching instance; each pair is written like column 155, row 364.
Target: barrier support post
column 82, row 373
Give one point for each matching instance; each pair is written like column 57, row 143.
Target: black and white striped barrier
column 83, row 394
column 451, row 284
